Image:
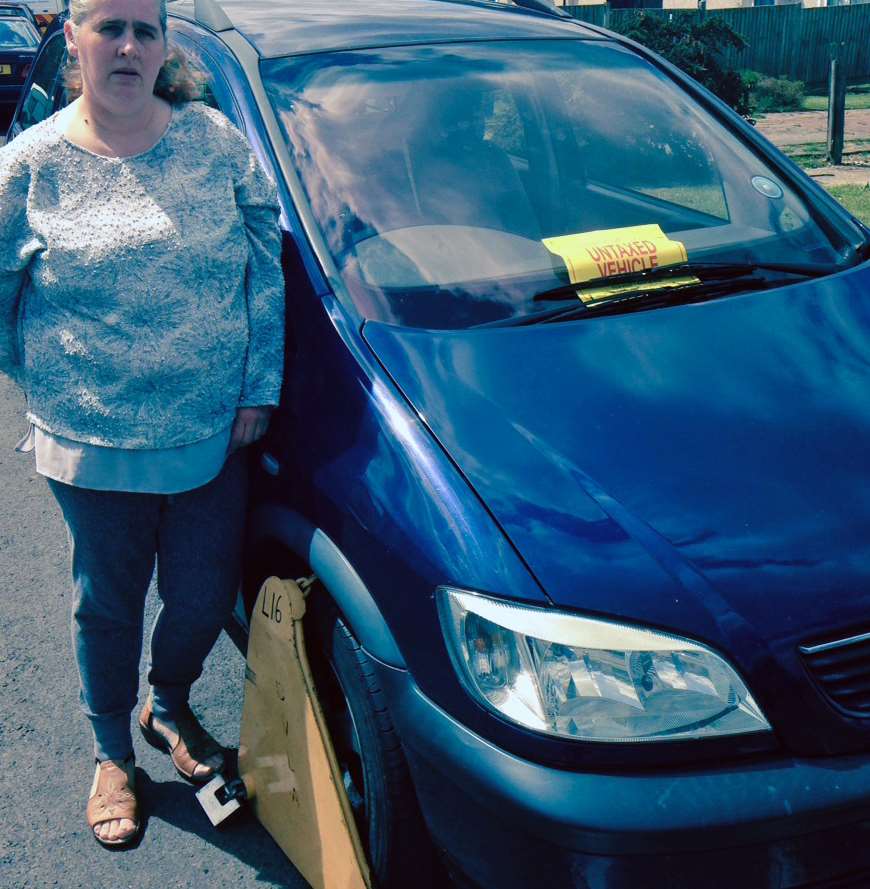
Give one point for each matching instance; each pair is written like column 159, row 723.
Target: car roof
column 287, row 27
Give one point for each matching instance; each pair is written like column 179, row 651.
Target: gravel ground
column 46, row 762
column 847, row 174
column 798, row 127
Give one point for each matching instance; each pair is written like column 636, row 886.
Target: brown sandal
column 187, row 749
column 112, row 798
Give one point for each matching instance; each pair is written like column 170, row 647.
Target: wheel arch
column 286, row 528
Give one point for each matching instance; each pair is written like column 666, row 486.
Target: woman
column 141, row 310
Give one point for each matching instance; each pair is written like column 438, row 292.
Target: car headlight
column 593, row 680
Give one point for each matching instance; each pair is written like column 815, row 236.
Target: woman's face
column 120, row 48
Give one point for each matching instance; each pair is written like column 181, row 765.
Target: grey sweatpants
column 115, row 536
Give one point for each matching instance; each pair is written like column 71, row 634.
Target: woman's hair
column 176, row 82
column 79, row 9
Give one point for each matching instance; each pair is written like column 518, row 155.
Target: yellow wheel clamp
column 287, row 765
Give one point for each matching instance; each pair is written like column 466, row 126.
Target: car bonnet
column 702, row 468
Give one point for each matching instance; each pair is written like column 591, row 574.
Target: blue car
column 575, row 435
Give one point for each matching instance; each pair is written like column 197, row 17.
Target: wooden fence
column 789, row 40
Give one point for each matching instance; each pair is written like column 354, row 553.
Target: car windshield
column 453, row 183
column 17, row 33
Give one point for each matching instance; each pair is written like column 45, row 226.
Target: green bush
column 695, row 48
column 773, row 93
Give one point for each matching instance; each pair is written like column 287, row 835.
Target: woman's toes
column 116, row 829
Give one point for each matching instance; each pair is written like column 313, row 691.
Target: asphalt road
column 46, row 763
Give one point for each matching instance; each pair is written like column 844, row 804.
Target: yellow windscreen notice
column 615, row 251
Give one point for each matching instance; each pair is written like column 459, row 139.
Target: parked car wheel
column 374, row 770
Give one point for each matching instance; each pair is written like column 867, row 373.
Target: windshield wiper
column 707, row 271
column 650, row 289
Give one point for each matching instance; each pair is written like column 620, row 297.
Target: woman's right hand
column 250, row 424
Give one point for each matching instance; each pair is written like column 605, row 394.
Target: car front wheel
column 373, row 767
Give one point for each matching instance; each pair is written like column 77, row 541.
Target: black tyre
column 367, row 746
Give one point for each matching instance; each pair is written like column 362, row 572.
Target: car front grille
column 841, row 668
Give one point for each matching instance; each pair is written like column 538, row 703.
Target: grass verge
column 855, row 198
column 858, row 96
column 811, row 155
column 820, row 103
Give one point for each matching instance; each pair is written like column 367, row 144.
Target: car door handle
column 270, row 464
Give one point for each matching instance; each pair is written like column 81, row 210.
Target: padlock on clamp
column 220, row 798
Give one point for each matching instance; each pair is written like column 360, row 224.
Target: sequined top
column 141, row 298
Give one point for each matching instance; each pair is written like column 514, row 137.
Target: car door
column 43, row 92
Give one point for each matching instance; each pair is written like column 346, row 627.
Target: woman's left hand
column 250, row 424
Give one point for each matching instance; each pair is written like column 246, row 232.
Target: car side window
column 215, row 91
column 45, row 93
column 205, row 79
column 39, row 102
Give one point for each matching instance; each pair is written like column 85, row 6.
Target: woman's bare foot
column 194, row 753
column 112, row 810
column 203, row 769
